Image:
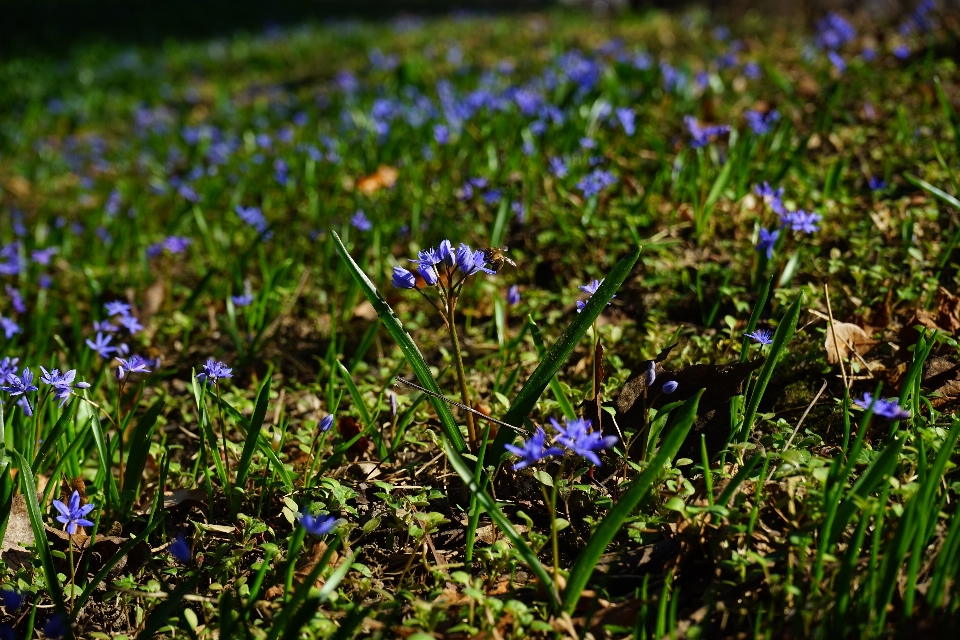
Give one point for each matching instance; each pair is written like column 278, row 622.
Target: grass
column 250, row 197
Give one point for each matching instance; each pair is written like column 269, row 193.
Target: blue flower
column 253, row 216
column 57, row 626
column 595, row 182
column 441, row 133
column 650, row 374
column 403, row 279
column 761, row 123
column 670, row 386
column 117, row 308
column 7, row 366
column 214, row 371
column 133, row 364
column 11, row 600
column 590, row 288
column 837, row 61
column 576, row 437
column 73, row 514
column 532, row 450
column 558, row 167
column 62, row 383
column 9, row 326
column 327, row 422
column 360, row 221
column 902, row 52
column 889, row 408
column 513, row 295
column 800, row 221
column 318, row 525
column 16, row 300
column 700, row 136
column 767, row 240
column 19, row 385
column 762, row 336
column 180, row 549
column 102, row 345
column 876, row 183
column 132, row 324
column 429, row 274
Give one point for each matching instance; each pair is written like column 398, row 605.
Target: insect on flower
column 495, row 258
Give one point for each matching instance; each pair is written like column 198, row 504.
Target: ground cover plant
column 492, row 327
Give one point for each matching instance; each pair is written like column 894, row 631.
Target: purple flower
column 670, row 386
column 589, row 288
column 254, row 217
column 576, row 437
column 837, row 61
column 7, row 366
column 327, row 421
column 180, row 549
column 761, row 123
column 513, row 296
column 876, row 183
column 360, row 221
column 244, row 300
column 10, row 328
column 104, row 326
column 11, row 600
column 833, row 31
column 43, row 256
column 102, row 345
column 62, row 383
column 57, row 626
column 902, row 52
column 132, row 324
column 519, row 210
column 441, row 133
column 532, row 450
column 627, row 119
column 19, row 385
column 214, row 370
column 801, row 221
column 767, row 240
column 595, row 182
column 188, row 193
column 429, row 274
column 403, row 279
column 558, row 167
column 699, row 135
column 73, row 514
column 133, row 364
column 117, row 308
column 176, row 244
column 16, row 300
column 752, row 70
column 762, row 336
column 471, row 262
column 318, row 525
column 889, row 408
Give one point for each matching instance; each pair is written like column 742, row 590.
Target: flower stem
column 119, row 425
column 461, row 376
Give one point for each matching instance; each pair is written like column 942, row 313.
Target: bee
column 495, row 258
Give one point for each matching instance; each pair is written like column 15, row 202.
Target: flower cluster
column 214, row 371
column 62, row 383
column 444, row 267
column 575, row 435
column 799, row 220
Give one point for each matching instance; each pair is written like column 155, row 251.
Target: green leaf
column 565, row 405
column 139, row 450
column 29, row 486
column 167, row 609
column 52, row 438
column 262, row 443
column 583, row 568
column 405, row 342
column 493, row 509
column 550, row 364
column 256, row 422
column 785, row 331
column 932, row 190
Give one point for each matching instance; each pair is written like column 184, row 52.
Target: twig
column 461, row 406
column 800, row 423
column 836, row 343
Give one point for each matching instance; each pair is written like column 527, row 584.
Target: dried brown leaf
column 851, row 339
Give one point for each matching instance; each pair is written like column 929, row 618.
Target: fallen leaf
column 383, row 178
column 948, row 310
column 349, row 428
column 851, row 339
column 18, row 536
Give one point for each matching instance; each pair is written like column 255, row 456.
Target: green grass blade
column 51, row 439
column 932, row 190
column 550, row 364
column 785, row 331
column 361, row 407
column 405, row 342
column 29, row 486
column 110, row 487
column 738, row 479
column 565, row 406
column 493, row 509
column 583, row 567
column 213, row 443
column 262, row 443
column 139, row 450
column 250, row 444
column 881, row 468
